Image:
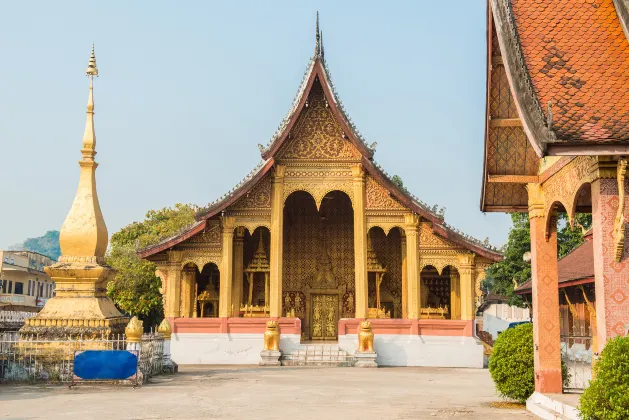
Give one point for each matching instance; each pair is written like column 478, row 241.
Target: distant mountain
column 47, row 245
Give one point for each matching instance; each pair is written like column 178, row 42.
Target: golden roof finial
column 92, row 70
column 84, row 233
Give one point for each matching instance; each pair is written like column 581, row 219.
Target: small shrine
column 259, row 264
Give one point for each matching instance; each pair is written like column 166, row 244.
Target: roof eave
column 525, row 98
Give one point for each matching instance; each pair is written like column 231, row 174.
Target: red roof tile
column 577, row 56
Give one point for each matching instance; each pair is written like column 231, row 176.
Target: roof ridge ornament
column 319, row 40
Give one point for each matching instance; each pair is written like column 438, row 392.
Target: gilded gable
column 378, row 197
column 316, row 134
column 427, row 239
column 258, row 198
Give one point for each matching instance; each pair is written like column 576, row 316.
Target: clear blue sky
column 188, row 89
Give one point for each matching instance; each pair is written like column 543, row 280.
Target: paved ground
column 202, row 392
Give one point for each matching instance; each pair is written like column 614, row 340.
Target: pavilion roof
column 573, row 269
column 317, row 70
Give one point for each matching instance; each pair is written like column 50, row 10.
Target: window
column 19, row 288
column 10, row 286
column 4, row 286
column 29, row 287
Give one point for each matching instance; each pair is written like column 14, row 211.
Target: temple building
column 320, row 237
column 557, row 140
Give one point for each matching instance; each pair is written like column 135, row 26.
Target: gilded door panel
column 324, row 317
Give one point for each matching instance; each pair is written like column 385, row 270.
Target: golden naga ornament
column 134, row 330
column 272, row 336
column 165, row 329
column 365, row 338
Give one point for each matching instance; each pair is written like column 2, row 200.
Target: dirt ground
column 213, row 392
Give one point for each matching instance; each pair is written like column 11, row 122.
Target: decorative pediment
column 258, row 198
column 317, row 135
column 427, row 239
column 211, row 235
column 378, row 197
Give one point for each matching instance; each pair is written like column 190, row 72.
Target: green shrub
column 511, row 363
column 607, row 397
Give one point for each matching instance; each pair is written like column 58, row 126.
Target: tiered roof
column 317, row 70
column 557, row 84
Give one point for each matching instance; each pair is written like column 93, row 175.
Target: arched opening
column 254, row 282
column 385, row 274
column 435, row 293
column 318, row 262
column 207, row 293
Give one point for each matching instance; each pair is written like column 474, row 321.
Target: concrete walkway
column 203, row 392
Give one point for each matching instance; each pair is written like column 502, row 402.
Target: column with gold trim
column 455, row 295
column 227, row 251
column 404, row 277
column 277, row 238
column 360, row 242
column 466, row 282
column 411, row 227
column 173, row 288
column 545, row 304
column 239, row 242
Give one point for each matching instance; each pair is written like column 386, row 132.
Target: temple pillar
column 411, row 228
column 360, row 242
column 227, row 265
column 277, row 238
column 455, row 295
column 545, row 297
column 404, row 278
column 188, row 281
column 466, row 282
column 239, row 242
column 611, row 262
column 173, row 285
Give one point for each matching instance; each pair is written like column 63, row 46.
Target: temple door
column 324, row 317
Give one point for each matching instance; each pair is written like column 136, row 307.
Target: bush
column 607, row 397
column 511, row 363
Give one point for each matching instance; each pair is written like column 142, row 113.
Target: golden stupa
column 81, row 306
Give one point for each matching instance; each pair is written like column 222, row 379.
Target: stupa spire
column 318, row 46
column 83, row 235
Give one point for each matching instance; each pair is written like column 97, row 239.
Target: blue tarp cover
column 105, row 364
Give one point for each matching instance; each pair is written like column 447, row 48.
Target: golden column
column 277, row 231
column 468, row 289
column 81, row 305
column 172, row 299
column 239, row 242
column 455, row 295
column 227, row 264
column 360, row 242
column 411, row 228
column 404, row 278
column 188, row 281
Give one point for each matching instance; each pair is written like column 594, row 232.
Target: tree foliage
column 500, row 276
column 607, row 397
column 48, row 245
column 136, row 288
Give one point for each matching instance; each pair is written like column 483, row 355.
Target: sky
column 188, row 89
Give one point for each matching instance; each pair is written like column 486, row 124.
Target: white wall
column 498, row 316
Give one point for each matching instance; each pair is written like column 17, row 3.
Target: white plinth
column 407, row 350
column 270, row 358
column 366, row 359
column 223, row 349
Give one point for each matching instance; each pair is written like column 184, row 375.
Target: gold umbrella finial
column 92, row 70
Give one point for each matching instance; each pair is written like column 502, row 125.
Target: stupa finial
column 92, row 70
column 318, row 37
column 84, row 234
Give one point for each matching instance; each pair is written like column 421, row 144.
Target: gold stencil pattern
column 316, row 134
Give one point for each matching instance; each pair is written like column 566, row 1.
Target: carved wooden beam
column 619, row 225
column 505, row 122
column 513, row 179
